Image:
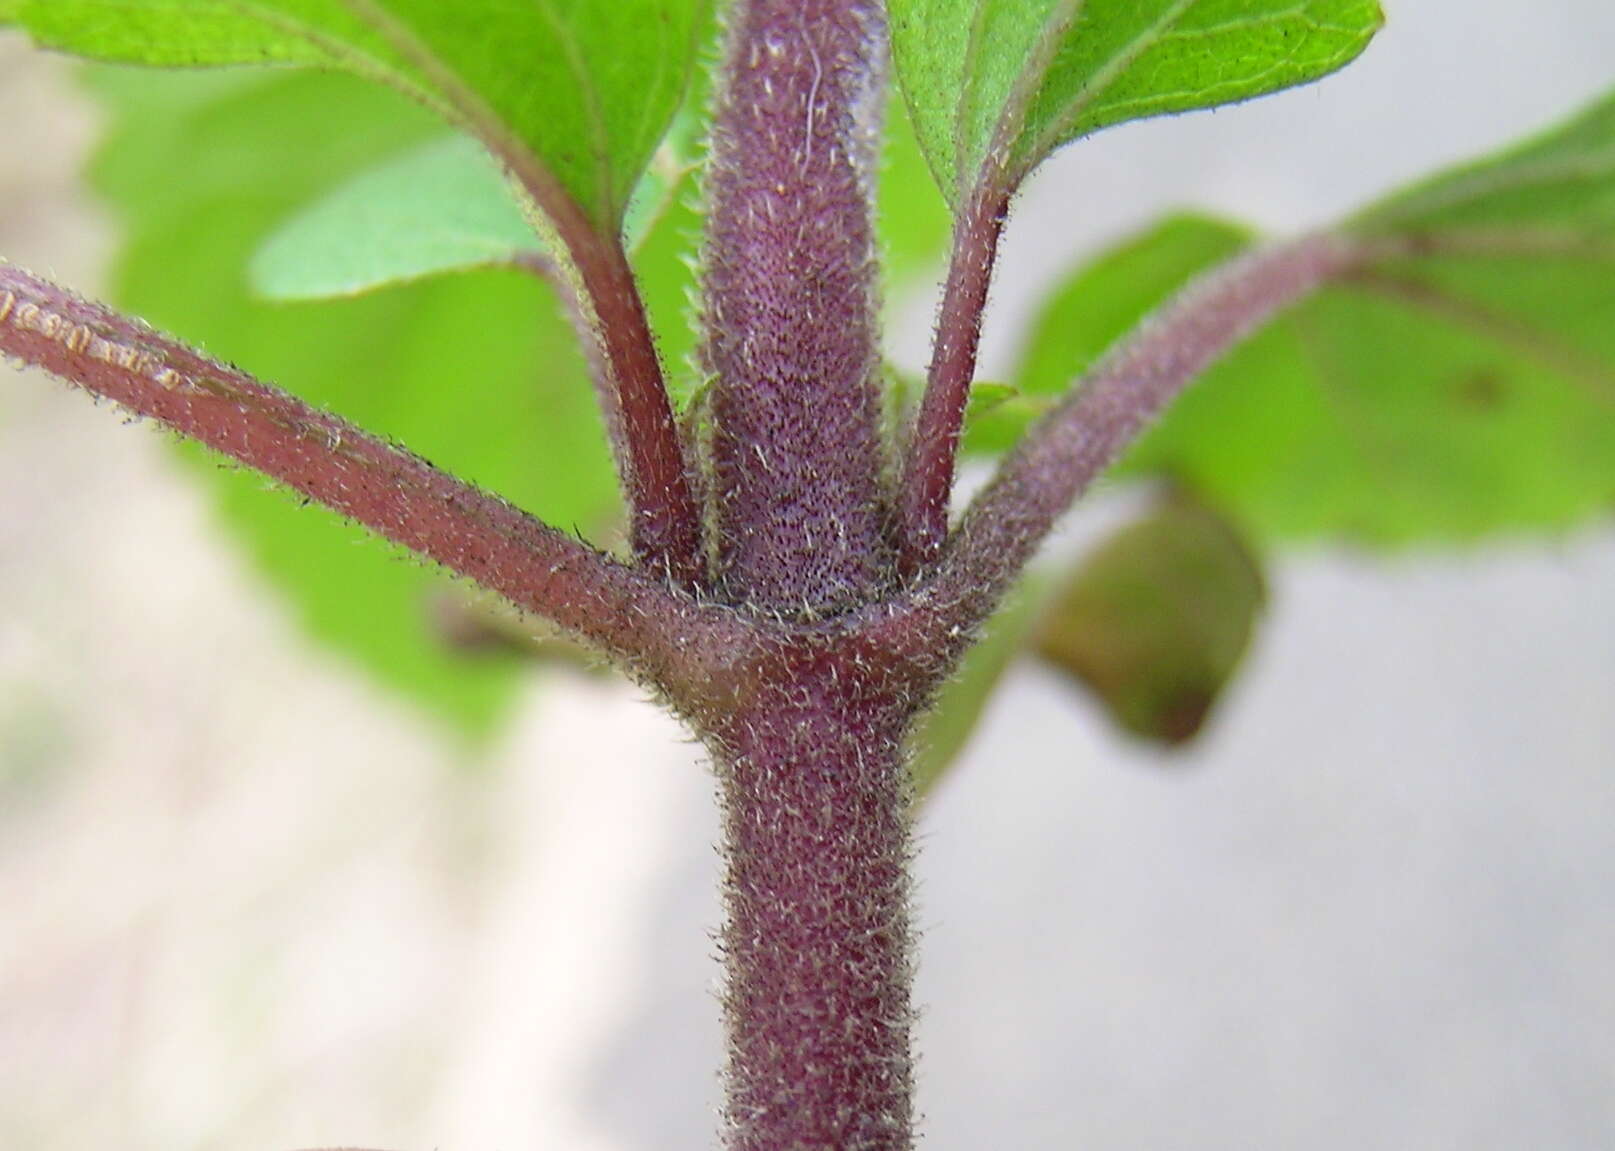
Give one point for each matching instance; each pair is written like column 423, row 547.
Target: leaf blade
column 164, row 33
column 442, row 207
column 1000, row 84
column 1461, row 386
column 1564, row 176
column 584, row 91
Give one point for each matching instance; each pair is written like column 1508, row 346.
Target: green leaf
column 1106, row 300
column 1154, row 622
column 1006, row 82
column 1554, row 194
column 443, row 207
column 1462, row 386
column 1389, row 421
column 912, row 219
column 584, row 90
column 665, row 262
column 479, row 372
column 168, row 33
column 1157, row 618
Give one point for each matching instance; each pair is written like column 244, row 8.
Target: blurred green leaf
column 1388, row 421
column 987, row 397
column 586, row 89
column 665, row 262
column 912, row 218
column 945, row 732
column 173, row 33
column 1154, row 622
column 1551, row 194
column 1009, row 81
column 1157, row 618
column 477, row 372
column 443, row 207
column 36, row 746
column 1464, row 386
column 1108, row 298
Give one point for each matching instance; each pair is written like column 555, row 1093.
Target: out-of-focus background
column 249, row 901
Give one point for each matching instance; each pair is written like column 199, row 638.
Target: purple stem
column 666, row 521
column 792, row 336
column 659, row 633
column 808, row 741
column 817, row 944
column 928, row 471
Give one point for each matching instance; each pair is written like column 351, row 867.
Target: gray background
column 246, row 901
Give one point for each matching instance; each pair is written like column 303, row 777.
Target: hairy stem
column 1061, row 455
column 792, row 337
column 928, row 470
column 655, row 631
column 816, row 800
column 927, row 483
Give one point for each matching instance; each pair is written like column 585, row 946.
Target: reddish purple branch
column 397, row 495
column 792, row 335
column 665, row 527
column 928, row 470
column 1061, row 455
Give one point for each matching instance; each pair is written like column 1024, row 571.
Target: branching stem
column 1064, row 452
column 805, row 682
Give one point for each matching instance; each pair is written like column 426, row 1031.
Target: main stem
column 809, row 746
column 789, row 307
column 816, row 812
